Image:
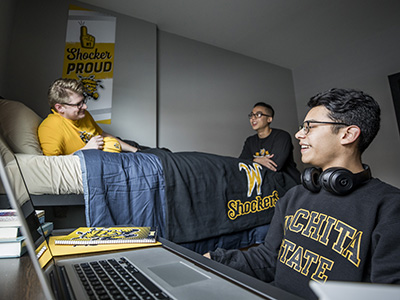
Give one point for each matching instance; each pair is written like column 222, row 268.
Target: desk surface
column 13, row 273
column 18, row 279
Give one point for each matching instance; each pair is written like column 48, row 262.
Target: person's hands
column 266, row 161
column 207, row 255
column 95, row 142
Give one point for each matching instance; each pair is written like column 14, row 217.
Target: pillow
column 7, row 156
column 18, row 125
column 5, row 152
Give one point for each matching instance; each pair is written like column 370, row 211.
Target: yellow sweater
column 61, row 136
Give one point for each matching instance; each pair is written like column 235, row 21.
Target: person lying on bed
column 340, row 224
column 70, row 127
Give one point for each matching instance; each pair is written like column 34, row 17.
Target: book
column 109, row 235
column 12, row 247
column 8, row 217
column 15, row 231
column 61, row 250
column 47, row 228
column 10, row 232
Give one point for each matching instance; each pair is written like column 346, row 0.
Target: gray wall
column 205, row 94
column 365, row 65
column 35, row 52
column 35, row 59
column 6, row 21
column 135, row 82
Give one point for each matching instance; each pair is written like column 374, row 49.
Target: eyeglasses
column 257, row 115
column 306, row 125
column 79, row 105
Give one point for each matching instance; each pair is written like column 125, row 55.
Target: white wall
column 364, row 65
column 206, row 93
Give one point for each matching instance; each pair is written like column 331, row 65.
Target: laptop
column 341, row 290
column 160, row 272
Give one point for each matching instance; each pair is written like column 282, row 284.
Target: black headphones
column 338, row 181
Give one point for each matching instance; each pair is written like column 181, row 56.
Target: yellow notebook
column 60, row 250
column 108, row 235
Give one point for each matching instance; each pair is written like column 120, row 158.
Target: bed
column 50, row 180
column 199, row 200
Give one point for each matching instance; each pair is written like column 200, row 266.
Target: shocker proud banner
column 89, row 57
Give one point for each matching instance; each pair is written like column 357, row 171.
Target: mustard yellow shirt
column 61, row 136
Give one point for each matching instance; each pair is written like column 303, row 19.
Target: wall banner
column 89, row 57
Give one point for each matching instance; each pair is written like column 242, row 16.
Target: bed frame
column 65, row 211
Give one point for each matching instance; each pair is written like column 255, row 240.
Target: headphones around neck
column 338, row 181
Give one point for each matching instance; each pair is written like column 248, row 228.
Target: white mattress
column 51, row 174
column 47, row 174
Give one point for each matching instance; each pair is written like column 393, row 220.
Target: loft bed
column 45, row 176
column 51, row 188
column 199, row 200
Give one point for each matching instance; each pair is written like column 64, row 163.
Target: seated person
column 341, row 224
column 270, row 147
column 70, row 127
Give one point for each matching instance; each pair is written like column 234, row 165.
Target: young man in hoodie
column 341, row 223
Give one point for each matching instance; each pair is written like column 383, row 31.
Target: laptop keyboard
column 116, row 279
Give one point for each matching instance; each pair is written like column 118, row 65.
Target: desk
column 18, row 279
column 13, row 273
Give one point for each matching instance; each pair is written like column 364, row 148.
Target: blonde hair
column 61, row 89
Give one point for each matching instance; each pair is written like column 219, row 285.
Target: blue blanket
column 123, row 189
column 189, row 196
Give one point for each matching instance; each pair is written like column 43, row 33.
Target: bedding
column 189, row 196
column 111, row 179
column 44, row 175
column 55, row 175
column 184, row 194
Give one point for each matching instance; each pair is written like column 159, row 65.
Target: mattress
column 54, row 175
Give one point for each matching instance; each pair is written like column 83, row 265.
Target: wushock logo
column 253, row 177
column 237, row 208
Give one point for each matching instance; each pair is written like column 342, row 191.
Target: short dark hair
column 267, row 106
column 351, row 107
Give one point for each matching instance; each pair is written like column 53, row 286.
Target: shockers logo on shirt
column 237, row 208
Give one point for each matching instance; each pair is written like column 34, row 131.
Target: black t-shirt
column 278, row 143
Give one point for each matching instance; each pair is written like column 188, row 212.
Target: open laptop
column 164, row 272
column 341, row 290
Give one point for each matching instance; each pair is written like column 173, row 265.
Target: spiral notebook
column 108, row 235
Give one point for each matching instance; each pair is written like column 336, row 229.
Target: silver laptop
column 163, row 272
column 340, row 290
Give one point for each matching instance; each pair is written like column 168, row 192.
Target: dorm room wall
column 6, row 19
column 35, row 59
column 364, row 63
column 204, row 92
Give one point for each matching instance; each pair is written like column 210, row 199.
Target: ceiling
column 289, row 33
